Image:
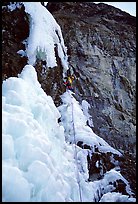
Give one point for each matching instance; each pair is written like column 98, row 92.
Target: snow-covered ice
column 38, row 155
column 45, row 35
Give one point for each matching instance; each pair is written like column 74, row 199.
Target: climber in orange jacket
column 68, row 82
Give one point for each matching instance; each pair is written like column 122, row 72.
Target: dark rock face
column 51, row 81
column 101, row 42
column 99, row 163
column 15, row 29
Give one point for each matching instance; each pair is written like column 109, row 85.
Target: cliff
column 101, row 43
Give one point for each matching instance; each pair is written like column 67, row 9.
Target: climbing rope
column 75, row 151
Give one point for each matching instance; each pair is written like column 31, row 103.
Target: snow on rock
column 113, row 176
column 116, row 197
column 45, row 35
column 74, row 114
column 45, row 3
column 21, row 53
column 13, row 6
column 85, row 108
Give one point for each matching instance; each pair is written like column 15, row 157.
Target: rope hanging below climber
column 75, row 154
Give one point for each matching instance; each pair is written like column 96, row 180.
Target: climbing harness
column 75, row 154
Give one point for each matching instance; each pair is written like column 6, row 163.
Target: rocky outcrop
column 15, row 29
column 99, row 163
column 101, row 42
